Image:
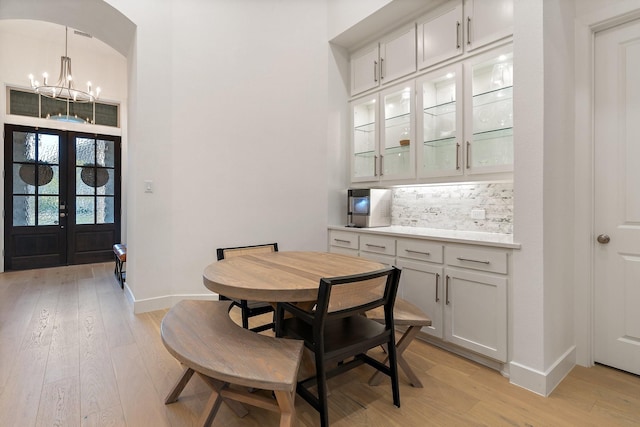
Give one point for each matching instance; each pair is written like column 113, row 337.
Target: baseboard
column 167, row 301
column 543, row 383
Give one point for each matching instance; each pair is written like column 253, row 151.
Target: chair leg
column 393, row 366
column 245, row 314
column 321, row 374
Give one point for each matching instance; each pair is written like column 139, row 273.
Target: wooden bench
column 202, row 336
column 120, row 254
column 404, row 314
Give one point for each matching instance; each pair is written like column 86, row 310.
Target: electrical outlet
column 477, row 213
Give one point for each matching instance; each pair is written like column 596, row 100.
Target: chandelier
column 64, row 88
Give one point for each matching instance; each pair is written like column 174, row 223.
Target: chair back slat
column 357, row 293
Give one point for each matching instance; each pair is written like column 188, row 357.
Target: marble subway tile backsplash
column 449, row 207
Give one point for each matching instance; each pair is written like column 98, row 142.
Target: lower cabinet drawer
column 420, row 250
column 378, row 245
column 484, row 259
column 344, row 239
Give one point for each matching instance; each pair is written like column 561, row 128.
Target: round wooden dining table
column 281, row 276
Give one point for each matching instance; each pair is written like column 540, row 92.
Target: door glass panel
column 35, row 171
column 440, row 149
column 24, row 211
column 364, row 138
column 493, row 112
column 48, row 210
column 105, row 153
column 397, row 132
column 105, row 176
column 85, row 210
column 105, row 210
column 85, row 151
column 24, row 146
column 82, row 187
column 48, row 149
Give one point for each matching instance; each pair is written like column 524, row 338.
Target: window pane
column 107, row 115
column 23, row 103
column 85, row 151
column 48, row 210
column 52, row 107
column 49, row 179
column 24, row 179
column 82, row 187
column 81, row 110
column 24, row 211
column 24, row 147
column 85, row 210
column 105, row 177
column 105, row 153
column 48, row 149
column 105, row 212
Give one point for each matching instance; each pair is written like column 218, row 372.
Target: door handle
column 603, row 238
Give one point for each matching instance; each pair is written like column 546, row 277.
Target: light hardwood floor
column 72, row 353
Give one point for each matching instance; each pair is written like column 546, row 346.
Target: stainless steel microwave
column 368, row 207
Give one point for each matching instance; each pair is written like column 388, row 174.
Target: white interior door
column 617, row 197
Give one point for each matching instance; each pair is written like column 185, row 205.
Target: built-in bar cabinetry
column 462, row 287
column 453, row 114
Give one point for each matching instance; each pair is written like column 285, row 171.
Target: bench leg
column 211, row 409
column 217, row 385
column 287, row 407
column 401, row 346
column 180, row 385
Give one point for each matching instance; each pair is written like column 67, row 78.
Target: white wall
column 228, row 118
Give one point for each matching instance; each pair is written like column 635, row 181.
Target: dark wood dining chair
column 337, row 330
column 249, row 308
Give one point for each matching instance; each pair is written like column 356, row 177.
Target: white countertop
column 456, row 236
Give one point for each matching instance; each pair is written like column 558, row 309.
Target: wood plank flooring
column 72, row 353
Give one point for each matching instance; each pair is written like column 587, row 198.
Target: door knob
column 603, row 238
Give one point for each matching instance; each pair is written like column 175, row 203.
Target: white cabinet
column 483, row 141
column 440, row 35
column 343, row 242
column 487, row 21
column 475, row 301
column 383, row 130
column 392, row 57
column 463, row 288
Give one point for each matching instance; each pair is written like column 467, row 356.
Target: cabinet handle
column 342, row 241
column 375, row 71
column 446, row 289
column 468, row 155
column 375, row 246
column 457, row 156
column 473, row 260
column 381, row 165
column 417, row 252
column 468, row 30
column 437, row 280
column 375, row 165
column 381, row 69
column 457, row 34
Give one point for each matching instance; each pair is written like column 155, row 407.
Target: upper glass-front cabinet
column 383, row 129
column 489, row 133
column 440, row 123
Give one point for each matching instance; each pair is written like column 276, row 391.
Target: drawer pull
column 474, row 260
column 375, row 246
column 417, row 252
column 342, row 241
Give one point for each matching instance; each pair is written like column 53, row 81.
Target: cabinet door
column 397, row 133
column 364, row 159
column 440, row 37
column 439, row 123
column 487, row 21
column 421, row 284
column 364, row 70
column 475, row 312
column 489, row 113
column 398, row 55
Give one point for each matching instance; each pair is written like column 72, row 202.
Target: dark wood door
column 62, row 197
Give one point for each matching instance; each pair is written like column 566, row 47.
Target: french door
column 62, row 197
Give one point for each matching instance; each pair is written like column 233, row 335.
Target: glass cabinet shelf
column 493, row 134
column 398, row 149
column 367, row 127
column 438, row 110
column 398, row 120
column 497, row 95
column 440, row 142
column 365, row 154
